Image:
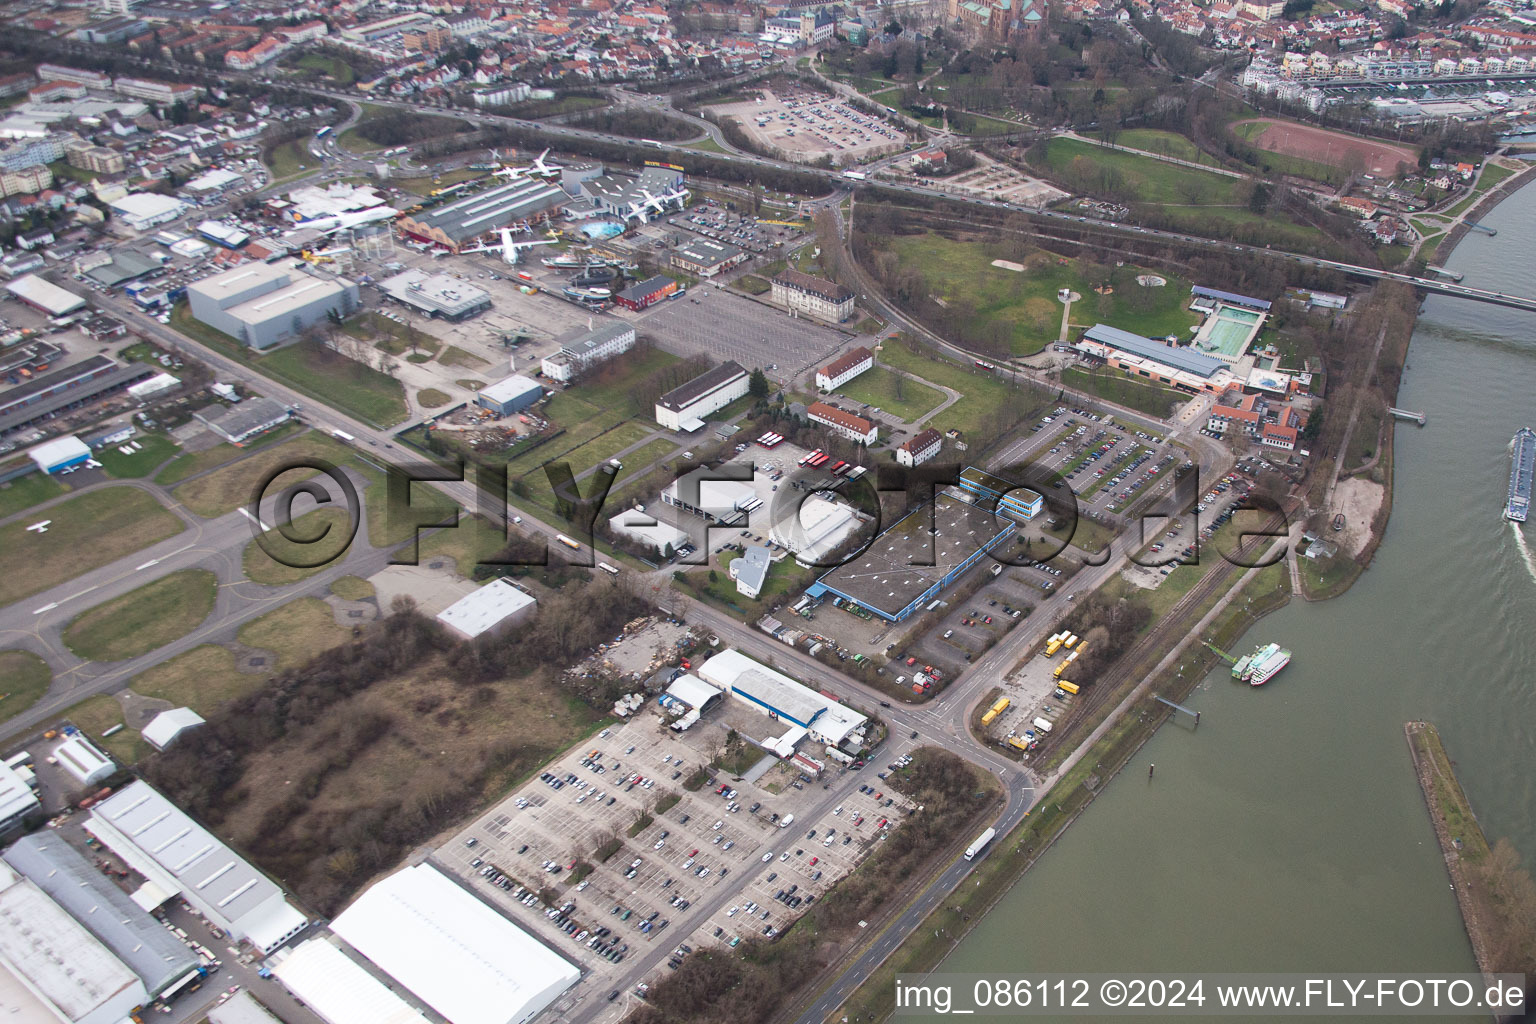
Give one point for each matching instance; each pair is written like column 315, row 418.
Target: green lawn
column 962, row 271
column 353, row 588
column 431, row 398
column 650, row 452
column 424, row 186
column 191, row 463
column 291, row 159
column 984, row 393
column 878, row 387
column 1115, row 386
column 26, row 491
column 1164, row 143
column 324, row 375
column 604, row 447
column 26, row 678
column 144, row 619
column 95, row 715
column 86, row 532
column 263, row 568
column 471, row 542
column 202, row 679
column 295, row 632
column 337, row 70
column 229, row 487
column 153, row 452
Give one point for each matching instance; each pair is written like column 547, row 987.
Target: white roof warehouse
column 44, row 295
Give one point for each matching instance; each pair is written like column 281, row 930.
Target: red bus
column 819, row 459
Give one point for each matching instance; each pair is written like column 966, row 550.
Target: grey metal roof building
column 480, row 214
column 1178, row 358
column 94, row 900
column 1203, row 292
column 437, row 295
column 706, row 258
column 176, row 855
column 238, row 423
column 263, row 303
column 125, row 266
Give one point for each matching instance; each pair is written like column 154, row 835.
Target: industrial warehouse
column 261, row 304
column 437, row 295
column 813, row 714
column 906, row 567
column 684, row 408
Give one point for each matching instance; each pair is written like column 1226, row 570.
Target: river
column 1288, row 832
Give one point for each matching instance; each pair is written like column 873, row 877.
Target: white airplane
column 510, row 251
column 660, row 203
column 357, row 218
column 41, row 527
column 536, row 169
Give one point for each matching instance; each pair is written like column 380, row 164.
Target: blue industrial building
column 994, row 492
column 907, row 566
column 510, row 395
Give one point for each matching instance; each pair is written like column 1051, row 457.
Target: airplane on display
column 358, row 218
column 41, row 527
column 510, row 251
column 539, row 168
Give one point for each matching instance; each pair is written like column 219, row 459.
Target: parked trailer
column 344, row 436
column 980, row 843
column 1069, row 687
column 609, row 569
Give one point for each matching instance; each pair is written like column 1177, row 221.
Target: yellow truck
column 1052, row 647
column 1069, row 687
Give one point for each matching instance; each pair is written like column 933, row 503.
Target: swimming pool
column 602, row 229
column 1244, row 316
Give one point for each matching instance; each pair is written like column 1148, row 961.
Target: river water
column 1288, row 832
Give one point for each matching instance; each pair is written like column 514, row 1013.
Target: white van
column 1042, row 724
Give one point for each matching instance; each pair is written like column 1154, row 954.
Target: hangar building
column 147, row 947
column 496, row 604
column 457, row 954
column 177, row 856
column 45, row 295
column 460, row 222
column 16, row 798
column 339, row 990
column 510, row 395
column 263, row 303
column 51, row 965
column 683, row 408
column 60, row 453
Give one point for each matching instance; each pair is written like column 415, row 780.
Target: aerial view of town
column 766, row 511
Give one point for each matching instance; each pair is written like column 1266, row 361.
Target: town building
column 844, row 368
column 166, row 727
column 839, row 421
column 17, row 798
column 336, row 987
column 96, row 159
column 262, row 304
column 178, row 857
column 646, row 293
column 46, row 396
column 633, row 197
column 1014, row 21
column 704, row 257
column 440, row 296
column 452, row 950
column 60, row 453
column 155, row 91
column 497, row 604
column 750, row 571
column 921, row 448
column 1178, row 367
column 510, row 395
column 815, row 296
column 817, row 716
column 45, row 296
column 1003, row 497
column 724, row 496
column 588, row 348
column 683, row 408
column 25, row 182
column 238, row 424
column 23, row 153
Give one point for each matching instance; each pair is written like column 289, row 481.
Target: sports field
column 1334, row 149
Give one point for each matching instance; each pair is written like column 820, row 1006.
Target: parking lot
column 805, row 125
column 713, row 221
column 723, row 325
column 680, row 867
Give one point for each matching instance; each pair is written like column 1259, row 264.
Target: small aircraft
column 41, row 527
column 336, row 222
column 536, row 169
column 510, row 251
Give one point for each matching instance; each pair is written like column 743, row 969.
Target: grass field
column 431, row 398
column 324, row 375
column 455, row 356
column 295, row 632
column 877, row 386
column 95, row 715
column 145, row 619
column 339, row 71
column 353, row 588
column 984, row 393
column 424, row 185
column 261, row 567
column 153, row 452
column 1164, row 143
column 1213, row 205
column 229, row 487
column 642, row 457
column 1282, row 163
column 26, row 678
column 606, row 446
column 191, row 463
column 201, row 679
column 291, row 159
column 471, row 542
column 962, row 271
column 87, row 532
column 26, row 491
column 1115, row 386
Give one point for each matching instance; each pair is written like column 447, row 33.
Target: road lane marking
column 146, row 565
column 247, row 513
column 46, row 608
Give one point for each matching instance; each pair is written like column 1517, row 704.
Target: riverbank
column 1495, row 196
column 1019, row 851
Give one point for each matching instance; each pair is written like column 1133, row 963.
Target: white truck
column 980, row 843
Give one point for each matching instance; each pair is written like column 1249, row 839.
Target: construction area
column 992, row 180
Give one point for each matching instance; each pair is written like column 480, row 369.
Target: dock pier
column 1178, row 707
column 1408, row 414
column 1454, row 275
column 1475, row 226
column 1223, row 655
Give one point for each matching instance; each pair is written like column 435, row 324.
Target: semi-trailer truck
column 980, row 843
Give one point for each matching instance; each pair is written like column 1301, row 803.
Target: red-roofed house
column 855, row 428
